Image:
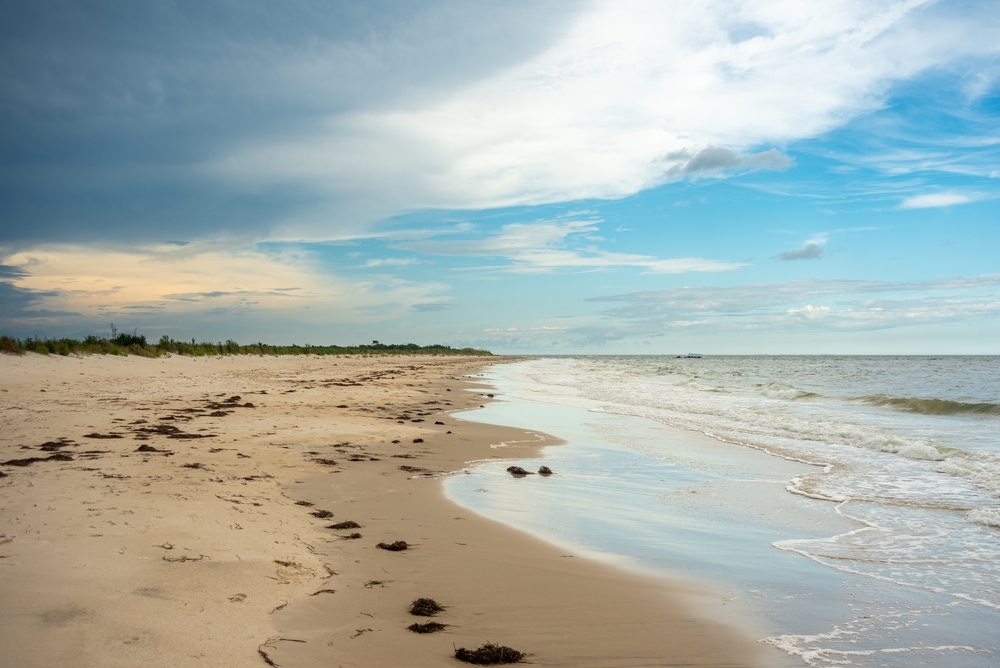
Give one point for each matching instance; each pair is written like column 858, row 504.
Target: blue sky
column 541, row 177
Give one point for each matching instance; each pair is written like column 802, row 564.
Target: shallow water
column 880, row 552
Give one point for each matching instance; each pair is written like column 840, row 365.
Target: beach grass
column 136, row 344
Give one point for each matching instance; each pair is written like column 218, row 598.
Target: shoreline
column 135, row 605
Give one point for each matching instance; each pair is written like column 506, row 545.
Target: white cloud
column 824, row 304
column 390, row 262
column 811, row 251
column 933, row 200
column 630, row 84
column 199, row 279
column 810, row 312
column 546, row 246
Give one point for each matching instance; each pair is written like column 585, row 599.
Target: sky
column 543, row 177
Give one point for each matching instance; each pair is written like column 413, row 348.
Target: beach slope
column 177, row 510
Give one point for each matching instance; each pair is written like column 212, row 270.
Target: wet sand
column 212, row 547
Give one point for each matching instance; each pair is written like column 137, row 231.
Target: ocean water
column 844, row 509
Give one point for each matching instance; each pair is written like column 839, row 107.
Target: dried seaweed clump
column 321, row 514
column 58, row 457
column 425, row 607
column 489, row 655
column 349, row 524
column 397, row 546
column 325, row 462
column 427, row 627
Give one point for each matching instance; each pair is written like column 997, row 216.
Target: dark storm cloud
column 17, row 303
column 6, row 271
column 107, row 109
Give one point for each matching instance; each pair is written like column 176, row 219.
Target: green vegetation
column 135, row 344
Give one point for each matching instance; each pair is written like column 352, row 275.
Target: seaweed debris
column 184, row 558
column 149, row 448
column 544, row 470
column 266, row 658
column 97, row 435
column 321, row 514
column 397, row 546
column 54, row 446
column 489, row 655
column 349, row 524
column 425, row 607
column 58, row 457
column 517, row 471
column 427, row 627
column 325, row 462
column 162, row 429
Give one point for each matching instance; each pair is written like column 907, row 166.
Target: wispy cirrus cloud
column 547, row 246
column 824, row 304
column 933, row 200
column 390, row 262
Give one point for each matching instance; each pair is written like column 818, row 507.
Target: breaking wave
column 931, row 406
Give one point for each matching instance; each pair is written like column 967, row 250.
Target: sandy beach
column 177, row 511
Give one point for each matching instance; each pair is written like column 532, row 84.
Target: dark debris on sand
column 517, row 471
column 321, row 514
column 425, row 607
column 325, row 462
column 427, row 627
column 349, row 524
column 397, row 546
column 489, row 655
column 55, row 446
column 58, row 457
column 149, row 448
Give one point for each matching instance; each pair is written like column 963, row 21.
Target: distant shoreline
column 132, row 344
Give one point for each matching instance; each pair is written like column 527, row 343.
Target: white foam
column 923, row 498
column 986, row 516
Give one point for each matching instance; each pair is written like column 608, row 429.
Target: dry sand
column 206, row 552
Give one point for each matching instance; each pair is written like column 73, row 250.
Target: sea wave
column 931, row 406
column 781, row 391
column 986, row 516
